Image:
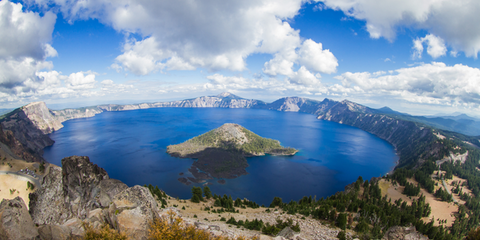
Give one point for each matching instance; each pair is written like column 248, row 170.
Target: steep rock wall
column 29, row 125
column 68, row 114
column 407, row 137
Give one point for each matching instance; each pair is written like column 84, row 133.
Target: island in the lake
column 221, row 152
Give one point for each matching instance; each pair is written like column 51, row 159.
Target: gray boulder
column 54, row 232
column 132, row 211
column 15, row 221
column 108, row 188
column 403, row 233
column 287, row 233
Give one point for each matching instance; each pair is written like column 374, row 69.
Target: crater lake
column 131, row 146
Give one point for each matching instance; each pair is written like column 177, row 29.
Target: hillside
column 221, row 152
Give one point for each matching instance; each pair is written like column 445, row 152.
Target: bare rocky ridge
column 68, row 114
column 42, row 117
column 297, row 104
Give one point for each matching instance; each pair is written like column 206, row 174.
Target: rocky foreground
column 81, row 194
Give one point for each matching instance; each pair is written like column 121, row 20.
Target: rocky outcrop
column 15, row 222
column 297, row 104
column 50, row 193
column 76, row 190
column 287, row 233
column 81, row 180
column 81, row 192
column 108, row 189
column 42, row 117
column 454, row 157
column 403, row 233
column 132, row 210
column 68, row 114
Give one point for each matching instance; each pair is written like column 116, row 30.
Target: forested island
column 221, row 152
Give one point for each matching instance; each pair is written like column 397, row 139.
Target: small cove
column 131, row 146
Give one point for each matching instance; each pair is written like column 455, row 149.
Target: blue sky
column 415, row 57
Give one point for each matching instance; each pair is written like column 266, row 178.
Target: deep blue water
column 131, row 146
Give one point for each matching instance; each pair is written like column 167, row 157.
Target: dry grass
column 104, row 233
column 440, row 210
column 451, row 187
column 8, row 182
column 192, row 209
column 173, row 227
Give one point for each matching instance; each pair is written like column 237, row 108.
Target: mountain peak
column 232, row 132
column 40, row 104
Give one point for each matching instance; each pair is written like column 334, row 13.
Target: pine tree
column 207, row 192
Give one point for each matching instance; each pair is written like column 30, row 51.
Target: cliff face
column 407, row 137
column 68, row 114
column 15, row 147
column 25, row 129
column 297, row 104
column 213, row 102
column 223, row 100
column 42, row 117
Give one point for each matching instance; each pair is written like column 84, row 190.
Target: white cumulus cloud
column 304, row 77
column 211, row 34
column 435, row 46
column 309, row 55
column 434, row 83
column 454, row 21
column 80, row 81
column 25, row 34
column 24, row 46
column 312, row 56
